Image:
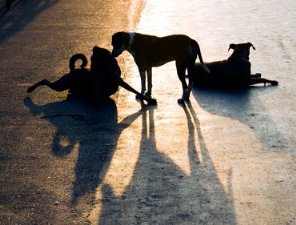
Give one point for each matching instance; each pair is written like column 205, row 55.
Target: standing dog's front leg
column 143, row 83
column 149, row 81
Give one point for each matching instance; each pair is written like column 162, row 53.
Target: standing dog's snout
column 116, row 52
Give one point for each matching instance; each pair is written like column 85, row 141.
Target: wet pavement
column 227, row 157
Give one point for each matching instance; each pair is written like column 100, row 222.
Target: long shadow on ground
column 245, row 106
column 94, row 131
column 160, row 192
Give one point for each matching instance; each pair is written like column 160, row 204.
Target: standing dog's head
column 120, row 42
column 241, row 50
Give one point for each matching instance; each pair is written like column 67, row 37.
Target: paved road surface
column 52, row 148
column 228, row 157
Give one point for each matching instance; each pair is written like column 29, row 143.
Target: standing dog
column 151, row 51
column 233, row 72
column 100, row 82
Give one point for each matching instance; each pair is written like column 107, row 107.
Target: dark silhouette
column 152, row 51
column 233, row 72
column 96, row 84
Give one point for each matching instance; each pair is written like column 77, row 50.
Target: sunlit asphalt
column 227, row 157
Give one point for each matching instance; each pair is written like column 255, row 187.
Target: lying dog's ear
column 251, row 45
column 95, row 48
column 101, row 51
column 232, row 46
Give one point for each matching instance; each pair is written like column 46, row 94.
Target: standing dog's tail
column 76, row 57
column 196, row 49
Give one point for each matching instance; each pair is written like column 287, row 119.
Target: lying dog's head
column 241, row 50
column 120, row 42
column 100, row 58
column 243, row 45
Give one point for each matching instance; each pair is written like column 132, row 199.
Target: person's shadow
column 161, row 193
column 95, row 132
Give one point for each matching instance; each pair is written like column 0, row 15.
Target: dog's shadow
column 161, row 193
column 93, row 132
column 245, row 106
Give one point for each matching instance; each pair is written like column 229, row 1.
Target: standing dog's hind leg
column 149, row 81
column 190, row 68
column 181, row 75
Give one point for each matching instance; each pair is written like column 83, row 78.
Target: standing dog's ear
column 125, row 39
column 119, row 39
column 120, row 42
column 232, row 46
column 251, row 45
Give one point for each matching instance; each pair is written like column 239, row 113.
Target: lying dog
column 233, row 72
column 151, row 51
column 100, row 82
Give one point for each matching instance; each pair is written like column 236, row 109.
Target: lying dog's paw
column 139, row 97
column 30, row 89
column 274, row 83
column 152, row 101
column 257, row 75
column 181, row 101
